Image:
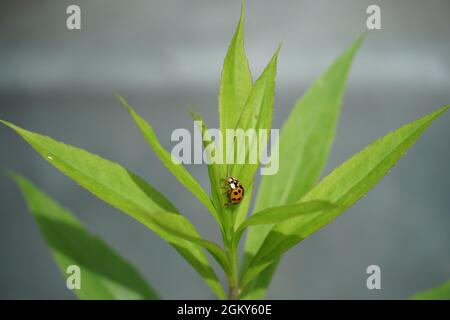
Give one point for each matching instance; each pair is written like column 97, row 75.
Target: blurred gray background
column 165, row 56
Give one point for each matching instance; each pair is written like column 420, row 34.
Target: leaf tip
column 443, row 109
column 277, row 50
column 361, row 37
column 279, row 46
column 8, row 124
column 12, row 126
column 193, row 114
column 241, row 19
column 124, row 103
column 17, row 178
column 435, row 114
column 10, row 174
column 357, row 43
column 274, row 59
column 239, row 33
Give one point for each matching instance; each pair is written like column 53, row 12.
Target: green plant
column 441, row 292
column 289, row 207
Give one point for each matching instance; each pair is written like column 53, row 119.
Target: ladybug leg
column 224, row 189
column 228, row 191
column 223, row 184
column 227, row 203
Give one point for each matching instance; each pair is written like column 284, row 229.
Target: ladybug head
column 231, row 179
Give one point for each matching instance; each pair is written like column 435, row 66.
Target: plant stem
column 233, row 279
column 234, row 293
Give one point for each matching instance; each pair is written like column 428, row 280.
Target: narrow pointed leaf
column 257, row 115
column 104, row 273
column 215, row 170
column 344, row 186
column 175, row 167
column 216, row 178
column 236, row 81
column 279, row 214
column 441, row 292
column 123, row 190
column 235, row 86
column 309, row 130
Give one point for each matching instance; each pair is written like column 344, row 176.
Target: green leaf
column 441, row 292
column 174, row 166
column 236, row 81
column 104, row 273
column 235, row 87
column 344, row 187
column 215, row 171
column 279, row 214
column 257, row 115
column 309, row 130
column 123, row 190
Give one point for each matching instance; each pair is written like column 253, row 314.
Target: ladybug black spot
column 236, row 192
column 239, row 190
column 234, row 199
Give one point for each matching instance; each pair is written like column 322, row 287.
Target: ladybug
column 234, row 190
